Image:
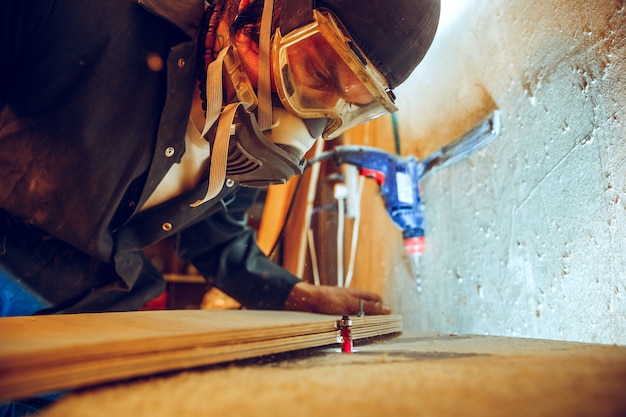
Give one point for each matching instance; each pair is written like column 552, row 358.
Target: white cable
column 340, row 193
column 355, row 232
column 316, row 272
column 308, row 211
column 340, row 237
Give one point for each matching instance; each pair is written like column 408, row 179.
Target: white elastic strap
column 219, row 154
column 265, row 85
column 219, row 148
column 214, row 93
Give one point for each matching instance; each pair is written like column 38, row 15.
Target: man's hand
column 333, row 300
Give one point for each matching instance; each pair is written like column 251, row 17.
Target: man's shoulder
column 186, row 14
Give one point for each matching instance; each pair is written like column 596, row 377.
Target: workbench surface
column 409, row 374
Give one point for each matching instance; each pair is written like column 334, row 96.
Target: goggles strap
column 265, row 85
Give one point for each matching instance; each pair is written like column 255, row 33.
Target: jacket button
column 169, row 152
column 182, row 63
column 229, row 182
column 167, row 226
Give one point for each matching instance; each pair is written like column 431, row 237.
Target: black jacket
column 94, row 101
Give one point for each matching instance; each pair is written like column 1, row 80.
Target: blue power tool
column 399, row 177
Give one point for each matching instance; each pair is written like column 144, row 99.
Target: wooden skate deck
column 41, row 354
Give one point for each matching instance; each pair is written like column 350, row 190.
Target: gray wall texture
column 526, row 237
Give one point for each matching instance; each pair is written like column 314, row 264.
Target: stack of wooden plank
column 41, row 354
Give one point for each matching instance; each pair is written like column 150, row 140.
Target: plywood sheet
column 45, row 353
column 415, row 374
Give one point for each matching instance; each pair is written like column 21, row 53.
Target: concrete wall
column 527, row 237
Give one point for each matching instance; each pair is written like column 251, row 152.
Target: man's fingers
column 374, row 308
column 365, row 295
column 334, row 300
column 367, row 302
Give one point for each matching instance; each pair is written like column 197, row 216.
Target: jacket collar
column 186, row 14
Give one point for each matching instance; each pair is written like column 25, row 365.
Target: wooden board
column 415, row 374
column 46, row 353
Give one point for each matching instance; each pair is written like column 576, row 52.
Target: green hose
column 396, row 134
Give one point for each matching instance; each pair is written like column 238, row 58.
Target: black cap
column 394, row 34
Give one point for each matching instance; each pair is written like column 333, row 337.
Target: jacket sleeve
column 224, row 251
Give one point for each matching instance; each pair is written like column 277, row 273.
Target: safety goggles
column 320, row 73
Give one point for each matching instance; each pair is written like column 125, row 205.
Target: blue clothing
column 17, row 300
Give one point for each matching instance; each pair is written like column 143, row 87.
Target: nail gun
column 399, row 177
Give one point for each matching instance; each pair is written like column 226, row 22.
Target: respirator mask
column 242, row 150
column 325, row 85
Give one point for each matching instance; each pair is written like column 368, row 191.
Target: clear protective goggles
column 321, row 74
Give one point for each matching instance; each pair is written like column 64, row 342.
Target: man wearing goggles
column 124, row 123
column 129, row 122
